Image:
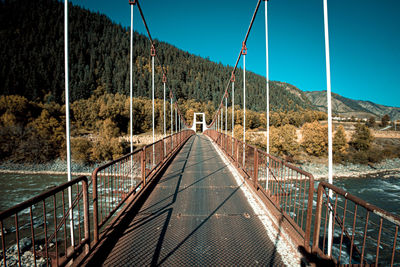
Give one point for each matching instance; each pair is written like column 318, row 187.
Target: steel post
column 255, row 174
column 86, row 217
column 143, row 165
column 95, row 208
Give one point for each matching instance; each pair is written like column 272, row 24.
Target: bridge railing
column 289, row 188
column 118, row 180
column 37, row 232
column 362, row 233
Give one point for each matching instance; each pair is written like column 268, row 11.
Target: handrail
column 26, row 238
column 112, row 188
column 355, row 243
column 116, row 181
column 291, row 189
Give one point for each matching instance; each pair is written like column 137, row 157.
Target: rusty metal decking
column 196, row 215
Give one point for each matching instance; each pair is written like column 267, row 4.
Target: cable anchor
column 152, row 51
column 132, row 2
column 164, row 78
column 233, row 78
column 244, row 48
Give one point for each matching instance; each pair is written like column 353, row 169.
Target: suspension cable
column 156, row 54
column 238, row 58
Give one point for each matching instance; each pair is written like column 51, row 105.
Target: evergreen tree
column 362, row 138
column 340, row 144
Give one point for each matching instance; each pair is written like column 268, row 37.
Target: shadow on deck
column 196, row 214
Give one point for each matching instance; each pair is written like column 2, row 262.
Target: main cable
column 156, row 55
column 237, row 61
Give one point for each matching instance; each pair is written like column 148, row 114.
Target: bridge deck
column 196, row 215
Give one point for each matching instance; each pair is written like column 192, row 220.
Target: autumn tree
column 81, row 150
column 283, row 140
column 315, row 138
column 108, row 146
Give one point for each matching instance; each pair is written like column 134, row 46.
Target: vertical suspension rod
column 244, row 52
column 165, row 121
column 153, row 53
column 226, row 114
column 267, row 84
column 67, row 125
column 222, row 118
column 131, row 93
column 328, row 92
column 233, row 104
column 176, row 116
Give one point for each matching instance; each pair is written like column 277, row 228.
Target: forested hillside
column 32, row 54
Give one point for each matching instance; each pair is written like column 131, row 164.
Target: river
column 384, row 193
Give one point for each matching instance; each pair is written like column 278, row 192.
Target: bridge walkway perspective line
column 196, row 215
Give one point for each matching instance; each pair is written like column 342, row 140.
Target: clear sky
column 364, row 39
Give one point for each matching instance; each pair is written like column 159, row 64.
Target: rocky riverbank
column 318, row 170
column 27, row 257
column 385, row 168
column 55, row 167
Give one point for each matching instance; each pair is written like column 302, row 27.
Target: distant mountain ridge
column 347, row 107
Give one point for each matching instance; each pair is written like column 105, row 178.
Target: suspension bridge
column 199, row 199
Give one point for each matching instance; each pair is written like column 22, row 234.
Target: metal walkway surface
column 196, row 215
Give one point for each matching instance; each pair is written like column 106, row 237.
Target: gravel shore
column 383, row 169
column 318, row 170
column 55, row 167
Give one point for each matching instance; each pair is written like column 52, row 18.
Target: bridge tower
column 202, row 122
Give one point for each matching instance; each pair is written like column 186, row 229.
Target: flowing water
column 383, row 191
column 16, row 188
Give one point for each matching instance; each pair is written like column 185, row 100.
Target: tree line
column 311, row 140
column 35, row 131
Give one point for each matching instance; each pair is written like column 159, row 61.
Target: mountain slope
column 31, row 52
column 347, row 107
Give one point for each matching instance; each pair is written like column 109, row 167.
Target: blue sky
column 364, row 39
